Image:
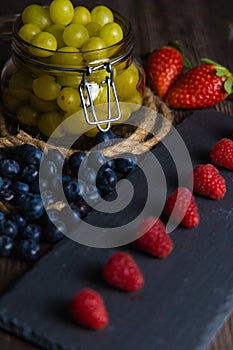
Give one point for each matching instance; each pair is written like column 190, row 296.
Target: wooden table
column 204, row 28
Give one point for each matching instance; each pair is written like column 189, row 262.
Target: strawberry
column 163, row 67
column 121, row 271
column 202, row 86
column 222, row 153
column 208, row 182
column 155, row 240
column 181, row 204
column 87, row 308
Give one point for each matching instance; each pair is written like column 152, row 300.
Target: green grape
column 102, row 15
column 125, row 113
column 67, row 56
column 93, row 43
column 93, row 28
column 27, row 115
column 135, row 101
column 74, row 122
column 57, row 31
column 19, row 94
column 42, row 105
column 91, row 49
column 93, row 131
column 36, row 14
column 75, row 35
column 45, row 41
column 126, row 83
column 101, row 109
column 134, row 68
column 69, row 99
column 103, row 95
column 122, row 65
column 81, row 15
column 49, row 122
column 70, row 79
column 20, row 80
column 111, row 33
column 99, row 76
column 27, row 31
column 46, row 88
column 61, row 11
column 10, row 102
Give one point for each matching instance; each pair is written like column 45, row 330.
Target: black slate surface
column 186, row 297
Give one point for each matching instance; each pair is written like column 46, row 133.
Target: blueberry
column 54, row 231
column 38, row 185
column 82, row 187
column 110, row 163
column 2, row 218
column 28, row 250
column 10, row 228
column 19, row 220
column 58, row 180
column 6, row 245
column 65, row 177
column 20, row 187
column 6, row 183
column 88, row 175
column 76, row 159
column 33, row 156
column 31, row 231
column 71, row 215
column 83, row 207
column 96, row 159
column 92, row 195
column 105, row 137
column 32, row 206
column 71, row 190
column 55, row 182
column 24, row 197
column 9, row 168
column 22, row 149
column 106, row 181
column 29, row 173
column 48, row 197
column 127, row 163
column 48, row 169
column 1, row 183
column 8, row 196
column 56, row 156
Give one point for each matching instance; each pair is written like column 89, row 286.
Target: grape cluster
column 62, row 35
column 28, row 194
column 61, row 27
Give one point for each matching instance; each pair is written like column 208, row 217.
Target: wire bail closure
column 87, row 100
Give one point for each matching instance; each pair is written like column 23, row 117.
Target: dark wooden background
column 204, row 28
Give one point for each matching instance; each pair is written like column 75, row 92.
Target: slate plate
column 186, row 297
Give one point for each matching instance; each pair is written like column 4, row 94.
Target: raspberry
column 155, row 240
column 208, row 182
column 222, row 153
column 181, row 204
column 87, row 308
column 122, row 272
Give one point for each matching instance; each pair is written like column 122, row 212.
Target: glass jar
column 42, row 88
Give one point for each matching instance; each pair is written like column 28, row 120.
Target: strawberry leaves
column 222, row 72
column 175, row 45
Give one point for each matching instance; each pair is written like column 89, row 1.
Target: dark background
column 204, row 28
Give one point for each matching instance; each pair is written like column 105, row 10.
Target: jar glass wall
column 41, row 88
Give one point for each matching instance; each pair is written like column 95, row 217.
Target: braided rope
column 139, row 135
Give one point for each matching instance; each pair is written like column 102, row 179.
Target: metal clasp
column 85, row 90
